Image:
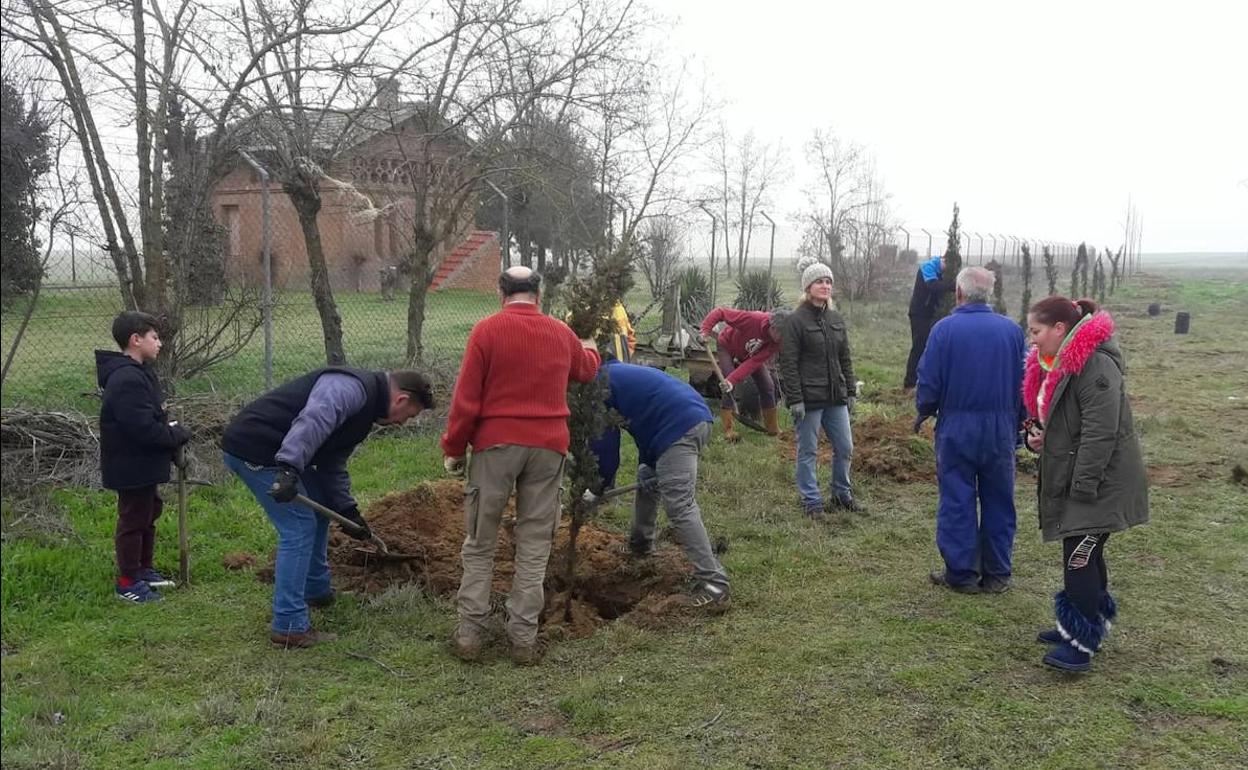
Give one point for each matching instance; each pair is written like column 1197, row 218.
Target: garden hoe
column 382, row 552
column 747, row 422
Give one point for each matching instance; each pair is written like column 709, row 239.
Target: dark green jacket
column 1092, row 476
column 815, row 365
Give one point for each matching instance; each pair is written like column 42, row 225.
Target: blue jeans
column 835, row 422
column 302, row 568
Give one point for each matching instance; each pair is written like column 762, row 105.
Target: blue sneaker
column 137, row 592
column 154, row 578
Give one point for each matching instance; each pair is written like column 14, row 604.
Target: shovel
column 184, row 547
column 351, row 527
column 747, row 422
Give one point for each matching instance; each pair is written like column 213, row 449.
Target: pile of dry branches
column 47, row 447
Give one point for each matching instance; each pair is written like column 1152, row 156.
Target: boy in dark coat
column 137, row 443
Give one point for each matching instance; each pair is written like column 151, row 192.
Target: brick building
column 363, row 224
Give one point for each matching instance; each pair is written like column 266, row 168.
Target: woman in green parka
column 1092, row 478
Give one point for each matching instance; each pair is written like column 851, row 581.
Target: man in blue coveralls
column 671, row 424
column 970, row 378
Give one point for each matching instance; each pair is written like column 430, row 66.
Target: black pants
column 920, row 327
column 135, row 539
column 1084, row 573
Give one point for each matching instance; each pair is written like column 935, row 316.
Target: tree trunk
column 308, row 206
column 421, row 271
column 574, row 529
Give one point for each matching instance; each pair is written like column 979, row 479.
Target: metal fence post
column 266, row 249
column 771, row 253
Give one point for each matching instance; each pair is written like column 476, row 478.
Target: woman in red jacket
column 750, row 338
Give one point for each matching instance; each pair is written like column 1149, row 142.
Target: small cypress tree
column 590, row 298
column 1098, row 280
column 1114, row 276
column 1050, row 270
column 953, row 262
column 1081, row 258
column 998, row 287
column 1026, row 284
column 1083, row 268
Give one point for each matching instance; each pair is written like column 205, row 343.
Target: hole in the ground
column 428, row 521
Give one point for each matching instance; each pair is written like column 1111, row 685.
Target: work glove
column 454, row 466
column 647, row 480
column 353, row 514
column 285, row 484
column 703, row 337
column 179, row 457
column 797, row 412
column 180, row 435
column 918, row 421
column 725, row 387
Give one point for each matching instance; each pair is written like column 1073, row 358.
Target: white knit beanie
column 812, row 270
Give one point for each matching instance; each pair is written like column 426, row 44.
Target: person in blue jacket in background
column 930, row 284
column 970, row 378
column 671, row 424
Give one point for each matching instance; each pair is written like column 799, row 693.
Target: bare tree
column 745, row 170
column 659, row 251
column 843, row 184
column 134, row 60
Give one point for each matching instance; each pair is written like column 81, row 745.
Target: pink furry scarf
column 1074, row 357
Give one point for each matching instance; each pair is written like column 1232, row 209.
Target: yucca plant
column 695, row 295
column 758, row 290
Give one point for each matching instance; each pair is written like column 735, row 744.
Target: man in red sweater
column 748, row 341
column 511, row 405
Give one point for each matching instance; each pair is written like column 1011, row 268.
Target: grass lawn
column 837, row 653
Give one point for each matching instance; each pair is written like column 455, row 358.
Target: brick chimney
column 387, row 92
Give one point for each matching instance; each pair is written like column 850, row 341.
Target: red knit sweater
column 513, row 383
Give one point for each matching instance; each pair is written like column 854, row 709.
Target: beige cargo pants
column 537, row 477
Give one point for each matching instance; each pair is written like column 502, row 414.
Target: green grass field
column 837, row 652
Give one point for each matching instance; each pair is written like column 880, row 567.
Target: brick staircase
column 462, row 259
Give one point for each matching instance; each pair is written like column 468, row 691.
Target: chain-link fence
column 51, row 344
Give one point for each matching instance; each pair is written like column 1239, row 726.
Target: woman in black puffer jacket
column 817, row 375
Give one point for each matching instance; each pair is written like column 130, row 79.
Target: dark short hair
column 132, row 322
column 531, row 285
column 415, row 385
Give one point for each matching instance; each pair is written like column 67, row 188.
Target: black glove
column 363, row 533
column 285, row 484
column 180, row 435
column 918, row 421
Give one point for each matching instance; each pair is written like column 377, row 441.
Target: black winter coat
column 815, row 365
column 136, row 440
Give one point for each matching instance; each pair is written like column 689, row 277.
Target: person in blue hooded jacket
column 930, row 284
column 970, row 378
column 670, row 423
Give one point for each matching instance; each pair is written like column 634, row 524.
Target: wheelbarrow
column 382, row 552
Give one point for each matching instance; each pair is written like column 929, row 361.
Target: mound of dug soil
column 882, row 447
column 427, row 522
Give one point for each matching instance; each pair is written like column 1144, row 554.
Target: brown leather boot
column 309, row 638
column 771, row 421
column 727, row 417
column 466, row 644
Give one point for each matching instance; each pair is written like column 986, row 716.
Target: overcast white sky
column 1038, row 119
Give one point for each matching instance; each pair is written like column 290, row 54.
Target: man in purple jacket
column 296, row 439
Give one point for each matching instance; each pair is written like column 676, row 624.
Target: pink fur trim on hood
column 1074, row 357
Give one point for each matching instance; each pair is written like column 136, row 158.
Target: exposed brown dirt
column 1182, row 475
column 428, row 523
column 237, row 560
column 882, row 447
